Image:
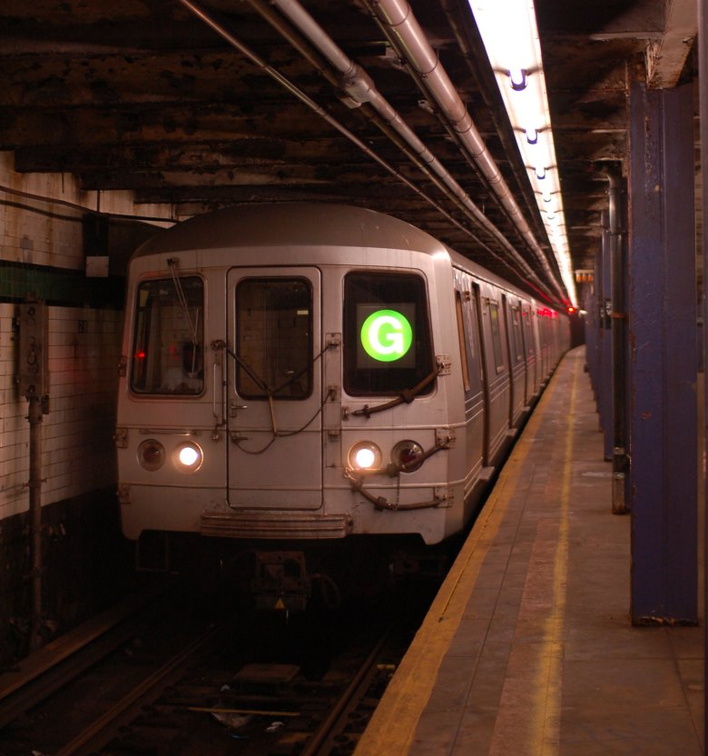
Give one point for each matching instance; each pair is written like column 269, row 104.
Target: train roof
column 304, row 224
column 315, row 224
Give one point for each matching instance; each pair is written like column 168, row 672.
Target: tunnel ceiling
column 148, row 96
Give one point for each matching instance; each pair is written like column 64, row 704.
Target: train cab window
column 274, row 338
column 168, row 337
column 387, row 343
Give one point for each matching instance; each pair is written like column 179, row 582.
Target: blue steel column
column 597, row 323
column 591, row 332
column 618, row 275
column 605, row 340
column 702, row 43
column 662, row 365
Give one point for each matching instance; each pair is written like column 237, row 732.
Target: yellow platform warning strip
column 392, row 728
column 528, row 719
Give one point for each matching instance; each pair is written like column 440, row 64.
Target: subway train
column 304, row 386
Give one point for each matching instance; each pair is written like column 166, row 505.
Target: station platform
column 528, row 647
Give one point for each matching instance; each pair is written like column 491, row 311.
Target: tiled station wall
column 43, row 255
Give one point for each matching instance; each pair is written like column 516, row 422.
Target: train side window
column 168, row 337
column 387, row 342
column 470, row 311
column 274, row 338
column 464, row 356
column 496, row 336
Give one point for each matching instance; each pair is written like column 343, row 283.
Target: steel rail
column 47, row 670
column 102, row 730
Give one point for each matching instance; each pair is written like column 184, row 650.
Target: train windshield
column 168, row 338
column 274, row 338
column 387, row 344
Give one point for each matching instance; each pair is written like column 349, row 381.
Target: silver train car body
column 309, row 372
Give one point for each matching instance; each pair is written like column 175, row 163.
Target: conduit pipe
column 310, row 103
column 397, row 16
column 357, row 87
column 360, row 88
column 304, row 46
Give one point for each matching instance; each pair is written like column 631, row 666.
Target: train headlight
column 407, row 456
column 189, row 457
column 365, row 456
column 151, row 454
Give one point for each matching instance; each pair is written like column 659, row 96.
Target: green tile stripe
column 59, row 286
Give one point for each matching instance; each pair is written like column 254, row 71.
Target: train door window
column 516, row 339
column 274, row 338
column 470, row 310
column 528, row 333
column 464, row 356
column 387, row 343
column 496, row 336
column 168, row 337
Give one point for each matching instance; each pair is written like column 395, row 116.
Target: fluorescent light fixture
column 510, row 36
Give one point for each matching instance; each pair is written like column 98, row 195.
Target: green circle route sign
column 386, row 335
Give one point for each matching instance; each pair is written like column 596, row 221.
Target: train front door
column 274, row 388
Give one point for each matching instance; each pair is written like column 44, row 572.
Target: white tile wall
column 77, row 446
column 78, row 454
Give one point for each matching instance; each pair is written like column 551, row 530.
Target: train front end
column 286, row 397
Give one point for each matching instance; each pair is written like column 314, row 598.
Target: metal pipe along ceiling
column 312, row 105
column 359, row 86
column 398, row 17
column 361, row 90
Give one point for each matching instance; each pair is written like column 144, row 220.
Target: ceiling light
column 517, row 76
column 531, row 135
column 510, row 37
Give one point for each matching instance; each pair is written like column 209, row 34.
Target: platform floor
column 528, row 648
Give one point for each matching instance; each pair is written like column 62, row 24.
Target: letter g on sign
column 386, row 335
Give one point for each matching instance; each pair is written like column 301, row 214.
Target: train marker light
column 151, row 454
column 407, row 456
column 386, row 335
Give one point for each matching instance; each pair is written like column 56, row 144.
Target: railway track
column 40, row 675
column 243, row 685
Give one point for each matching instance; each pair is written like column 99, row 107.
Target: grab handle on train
column 217, row 378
